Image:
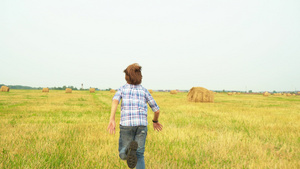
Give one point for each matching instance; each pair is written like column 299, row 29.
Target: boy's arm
column 156, row 115
column 112, row 123
column 156, row 125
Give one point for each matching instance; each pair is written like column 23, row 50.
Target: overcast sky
column 216, row 44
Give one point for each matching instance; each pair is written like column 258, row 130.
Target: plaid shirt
column 134, row 104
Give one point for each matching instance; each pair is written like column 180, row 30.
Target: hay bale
column 238, row 93
column 288, row 94
column 266, row 94
column 229, row 94
column 298, row 92
column 112, row 91
column 45, row 89
column 92, row 90
column 4, row 89
column 294, row 94
column 200, row 94
column 173, row 92
column 150, row 91
column 68, row 90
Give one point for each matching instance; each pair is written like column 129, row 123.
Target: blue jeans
column 128, row 134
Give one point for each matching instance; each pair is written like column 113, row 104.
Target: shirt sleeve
column 118, row 95
column 151, row 102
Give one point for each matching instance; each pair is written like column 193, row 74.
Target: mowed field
column 68, row 130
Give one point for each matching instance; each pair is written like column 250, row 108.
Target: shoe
column 131, row 154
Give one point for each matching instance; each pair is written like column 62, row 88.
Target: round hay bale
column 45, row 89
column 266, row 94
column 4, row 89
column 92, row 90
column 173, row 92
column 150, row 91
column 200, row 94
column 294, row 94
column 68, row 90
column 238, row 93
column 229, row 94
column 112, row 91
column 298, row 92
column 288, row 94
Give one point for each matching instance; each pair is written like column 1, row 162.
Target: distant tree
column 58, row 88
column 250, row 91
column 72, row 87
column 274, row 91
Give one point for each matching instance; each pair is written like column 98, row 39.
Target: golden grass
column 55, row 130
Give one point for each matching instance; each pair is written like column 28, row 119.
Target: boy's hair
column 133, row 74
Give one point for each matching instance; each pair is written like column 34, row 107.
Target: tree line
column 38, row 88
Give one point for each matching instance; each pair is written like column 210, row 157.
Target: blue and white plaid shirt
column 134, row 104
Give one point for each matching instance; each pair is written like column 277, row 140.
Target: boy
column 133, row 122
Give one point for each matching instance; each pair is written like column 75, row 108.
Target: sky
column 215, row 44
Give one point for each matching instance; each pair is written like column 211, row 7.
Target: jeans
column 128, row 134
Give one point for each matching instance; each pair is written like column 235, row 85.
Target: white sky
column 231, row 45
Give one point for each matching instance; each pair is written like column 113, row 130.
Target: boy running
column 133, row 122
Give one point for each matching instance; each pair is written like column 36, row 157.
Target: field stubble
column 68, row 130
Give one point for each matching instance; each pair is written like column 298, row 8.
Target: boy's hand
column 111, row 127
column 157, row 126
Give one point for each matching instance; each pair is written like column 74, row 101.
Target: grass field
column 60, row 130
